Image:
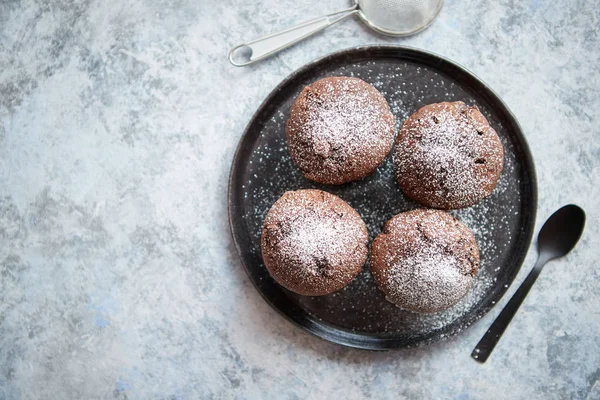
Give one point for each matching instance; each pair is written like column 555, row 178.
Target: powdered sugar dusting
column 447, row 156
column 312, row 239
column 495, row 221
column 313, row 242
column 424, row 260
column 430, row 279
column 339, row 130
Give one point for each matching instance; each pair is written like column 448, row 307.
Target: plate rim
column 350, row 339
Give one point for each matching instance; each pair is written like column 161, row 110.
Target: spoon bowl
column 561, row 232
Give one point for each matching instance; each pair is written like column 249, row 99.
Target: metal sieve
column 390, row 17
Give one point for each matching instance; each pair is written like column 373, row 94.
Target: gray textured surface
column 118, row 122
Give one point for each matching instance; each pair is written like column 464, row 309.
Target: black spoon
column 558, row 236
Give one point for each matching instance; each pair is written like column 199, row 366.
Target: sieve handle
column 268, row 45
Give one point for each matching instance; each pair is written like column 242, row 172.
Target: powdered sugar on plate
column 496, row 221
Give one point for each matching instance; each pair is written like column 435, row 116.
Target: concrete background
column 118, row 279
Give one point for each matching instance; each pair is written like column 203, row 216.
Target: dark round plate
column 359, row 316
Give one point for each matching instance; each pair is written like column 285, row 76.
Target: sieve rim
column 389, row 32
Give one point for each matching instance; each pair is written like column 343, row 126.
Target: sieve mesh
column 398, row 17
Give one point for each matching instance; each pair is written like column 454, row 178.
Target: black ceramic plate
column 359, row 315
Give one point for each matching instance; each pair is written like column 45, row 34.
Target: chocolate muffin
column 340, row 129
column 448, row 156
column 424, row 261
column 313, row 243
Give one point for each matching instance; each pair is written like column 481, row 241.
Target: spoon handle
column 487, row 343
column 266, row 46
